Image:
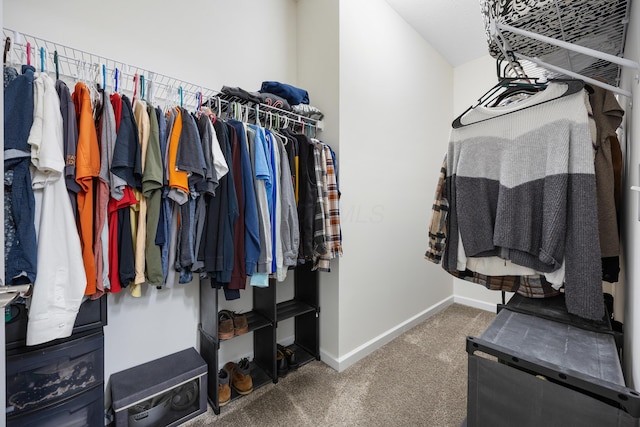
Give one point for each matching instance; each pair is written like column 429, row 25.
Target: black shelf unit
column 263, row 321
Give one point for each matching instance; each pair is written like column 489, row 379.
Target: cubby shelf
column 263, row 321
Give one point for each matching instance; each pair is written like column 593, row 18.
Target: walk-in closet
column 321, row 212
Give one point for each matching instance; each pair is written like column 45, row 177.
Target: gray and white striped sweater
column 521, row 186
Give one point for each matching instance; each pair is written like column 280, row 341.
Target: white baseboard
column 471, row 302
column 342, row 363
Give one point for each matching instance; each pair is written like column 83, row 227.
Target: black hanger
column 514, row 87
column 7, row 47
column 573, row 86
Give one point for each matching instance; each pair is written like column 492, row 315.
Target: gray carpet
column 418, row 379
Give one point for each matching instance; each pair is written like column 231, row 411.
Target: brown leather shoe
column 240, row 378
column 225, row 325
column 240, row 324
column 224, row 391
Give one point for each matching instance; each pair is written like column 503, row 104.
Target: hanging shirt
column 251, row 235
column 289, row 227
column 222, row 214
column 70, row 135
column 262, row 178
column 144, row 127
column 178, row 179
column 107, row 134
column 127, row 157
column 319, row 246
column 20, row 253
column 87, row 170
column 152, row 191
column 61, row 279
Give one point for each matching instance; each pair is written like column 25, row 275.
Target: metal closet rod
column 81, row 59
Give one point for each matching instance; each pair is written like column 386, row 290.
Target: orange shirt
column 177, row 179
column 87, row 170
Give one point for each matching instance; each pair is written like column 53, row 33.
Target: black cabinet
column 61, row 382
column 263, row 321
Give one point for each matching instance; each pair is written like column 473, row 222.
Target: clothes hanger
column 42, row 60
column 56, row 62
column 573, row 86
column 7, row 48
column 515, row 86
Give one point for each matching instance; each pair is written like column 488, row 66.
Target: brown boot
column 225, row 325
column 224, row 391
column 240, row 378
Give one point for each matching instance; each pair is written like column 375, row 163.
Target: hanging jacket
column 306, row 195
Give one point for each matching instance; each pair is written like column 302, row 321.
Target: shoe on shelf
column 224, row 391
column 240, row 376
column 290, row 356
column 225, row 325
column 283, row 368
column 239, row 321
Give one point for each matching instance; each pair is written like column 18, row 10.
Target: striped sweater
column 521, row 185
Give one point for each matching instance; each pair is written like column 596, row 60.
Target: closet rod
column 79, row 61
column 571, row 46
column 575, row 75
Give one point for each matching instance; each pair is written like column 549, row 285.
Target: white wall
column 631, row 236
column 207, row 42
column 395, row 112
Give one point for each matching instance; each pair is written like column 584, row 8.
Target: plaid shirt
column 319, row 242
column 333, row 234
column 534, row 286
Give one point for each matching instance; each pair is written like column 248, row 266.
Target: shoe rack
column 263, row 321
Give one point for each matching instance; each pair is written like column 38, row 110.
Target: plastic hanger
column 56, row 62
column 573, row 86
column 181, row 96
column 7, row 48
column 136, row 79
column 42, row 60
column 116, row 79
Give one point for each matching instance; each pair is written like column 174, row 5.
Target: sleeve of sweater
column 583, row 283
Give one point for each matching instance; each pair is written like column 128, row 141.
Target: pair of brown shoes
column 231, row 324
column 236, row 376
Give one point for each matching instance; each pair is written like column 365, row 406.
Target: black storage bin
column 86, row 409
column 43, row 376
column 529, row 371
column 91, row 315
column 164, row 392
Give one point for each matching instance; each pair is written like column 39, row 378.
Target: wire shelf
column 85, row 66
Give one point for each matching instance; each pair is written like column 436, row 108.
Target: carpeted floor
column 418, row 379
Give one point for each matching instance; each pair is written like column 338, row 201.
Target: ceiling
column 453, row 27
